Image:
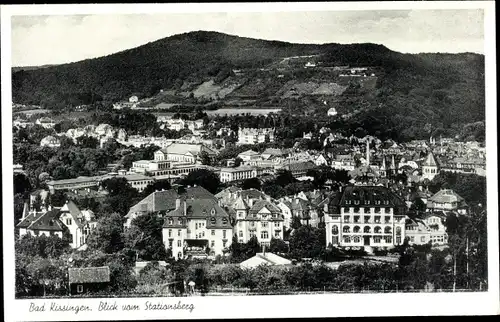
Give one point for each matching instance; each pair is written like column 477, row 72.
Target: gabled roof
column 257, row 206
column 249, row 152
column 71, row 208
column 239, row 204
column 165, row 200
column 430, row 161
column 446, row 196
column 183, row 148
column 88, row 275
column 48, row 221
column 368, row 193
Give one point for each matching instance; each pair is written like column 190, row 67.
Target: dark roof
column 165, row 200
column 48, row 221
column 89, row 275
column 199, row 209
column 369, row 194
column 300, row 166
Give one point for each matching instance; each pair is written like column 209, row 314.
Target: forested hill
column 432, row 91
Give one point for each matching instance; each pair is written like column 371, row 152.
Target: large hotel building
column 364, row 216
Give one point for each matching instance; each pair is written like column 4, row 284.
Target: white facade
column 50, row 141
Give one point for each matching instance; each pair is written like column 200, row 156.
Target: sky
column 56, row 39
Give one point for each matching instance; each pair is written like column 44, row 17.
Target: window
column 276, row 234
column 224, row 243
column 212, row 243
column 179, row 243
column 264, row 224
column 335, row 240
column 366, row 210
column 356, row 219
column 377, row 239
column 398, row 230
column 412, row 239
column 356, row 209
column 170, row 242
column 213, row 232
column 422, row 239
column 346, row 218
column 356, row 229
column 398, row 240
column 241, row 233
column 367, row 229
column 276, row 224
column 335, row 230
column 347, row 239
column 170, row 221
column 224, row 234
column 346, row 209
column 179, row 255
column 387, row 230
column 264, row 234
column 68, row 221
column 212, row 220
column 170, row 233
column 181, row 221
column 79, row 288
column 356, row 239
column 377, row 230
column 387, row 210
column 346, row 229
column 224, row 221
column 387, row 219
column 367, row 219
column 388, row 239
column 377, row 219
column 179, row 233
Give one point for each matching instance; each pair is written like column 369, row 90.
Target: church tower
column 430, row 167
column 383, row 168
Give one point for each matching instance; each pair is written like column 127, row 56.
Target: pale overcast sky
column 39, row 40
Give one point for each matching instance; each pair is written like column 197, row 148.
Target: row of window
column 202, row 234
column 213, row 220
column 367, row 219
column 367, row 202
column 366, row 229
column 366, row 210
column 263, row 234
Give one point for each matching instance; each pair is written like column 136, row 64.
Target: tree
column 108, row 235
column 156, row 186
column 278, row 246
column 205, row 158
column 251, row 183
column 87, row 142
column 202, row 177
column 145, row 237
column 21, row 183
column 307, row 242
column 418, row 206
column 296, row 223
column 237, row 162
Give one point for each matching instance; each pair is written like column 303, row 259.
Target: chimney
column 177, row 203
column 185, row 208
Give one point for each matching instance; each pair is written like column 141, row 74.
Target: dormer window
column 212, row 220
column 224, row 221
column 212, row 212
column 170, row 221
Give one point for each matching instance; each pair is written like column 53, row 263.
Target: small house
column 88, row 279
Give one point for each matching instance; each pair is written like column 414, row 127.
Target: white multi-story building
column 254, row 136
column 260, row 218
column 46, row 122
column 179, row 152
column 79, row 223
column 365, row 216
column 197, row 228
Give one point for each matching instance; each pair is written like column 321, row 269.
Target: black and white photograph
column 166, row 158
